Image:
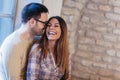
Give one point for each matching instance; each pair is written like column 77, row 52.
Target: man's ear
column 32, row 22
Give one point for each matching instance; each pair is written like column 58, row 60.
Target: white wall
column 54, row 6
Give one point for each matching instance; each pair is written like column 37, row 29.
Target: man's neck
column 25, row 32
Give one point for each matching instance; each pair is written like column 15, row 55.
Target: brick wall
column 94, row 34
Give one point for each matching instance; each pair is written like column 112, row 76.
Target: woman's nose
column 51, row 27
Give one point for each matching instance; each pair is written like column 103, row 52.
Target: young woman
column 49, row 58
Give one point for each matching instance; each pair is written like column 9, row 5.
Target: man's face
column 40, row 24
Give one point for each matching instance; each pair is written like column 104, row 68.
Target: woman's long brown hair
column 61, row 52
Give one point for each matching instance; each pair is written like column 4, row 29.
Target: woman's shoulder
column 35, row 49
column 34, row 46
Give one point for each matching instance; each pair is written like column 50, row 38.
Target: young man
column 13, row 51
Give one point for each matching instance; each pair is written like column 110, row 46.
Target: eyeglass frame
column 41, row 21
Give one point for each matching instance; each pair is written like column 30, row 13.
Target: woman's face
column 53, row 30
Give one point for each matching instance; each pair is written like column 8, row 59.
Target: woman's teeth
column 51, row 33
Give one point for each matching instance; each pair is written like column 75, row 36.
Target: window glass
column 7, row 6
column 5, row 27
column 7, row 17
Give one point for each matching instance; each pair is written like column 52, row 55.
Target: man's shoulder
column 9, row 39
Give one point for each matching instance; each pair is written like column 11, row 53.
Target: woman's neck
column 51, row 46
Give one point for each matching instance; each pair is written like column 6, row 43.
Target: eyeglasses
column 41, row 21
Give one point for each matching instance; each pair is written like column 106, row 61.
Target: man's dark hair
column 32, row 10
